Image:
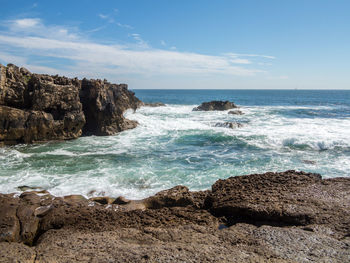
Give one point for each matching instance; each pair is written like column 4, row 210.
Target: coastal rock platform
column 272, row 217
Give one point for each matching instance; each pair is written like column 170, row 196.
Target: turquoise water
column 302, row 130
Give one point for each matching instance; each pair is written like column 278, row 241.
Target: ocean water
column 173, row 145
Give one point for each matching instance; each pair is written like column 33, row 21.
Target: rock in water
column 153, row 104
column 103, row 106
column 35, row 107
column 235, row 112
column 229, row 124
column 215, row 106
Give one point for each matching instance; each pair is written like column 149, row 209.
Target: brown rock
column 289, row 198
column 35, row 108
column 9, row 223
column 176, row 196
column 215, row 106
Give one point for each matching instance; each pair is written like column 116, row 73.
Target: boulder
column 215, row 106
column 176, row 196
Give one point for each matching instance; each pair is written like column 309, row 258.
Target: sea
column 305, row 130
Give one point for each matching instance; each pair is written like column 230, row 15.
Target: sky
column 183, row 44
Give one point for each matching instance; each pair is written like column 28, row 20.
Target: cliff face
column 36, row 107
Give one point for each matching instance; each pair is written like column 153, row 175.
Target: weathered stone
column 35, row 108
column 215, row 106
column 289, row 198
column 9, row 223
column 176, row 196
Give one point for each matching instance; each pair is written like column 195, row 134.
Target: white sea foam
column 174, row 145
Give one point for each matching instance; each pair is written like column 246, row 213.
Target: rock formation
column 272, row 217
column 215, row 106
column 36, row 107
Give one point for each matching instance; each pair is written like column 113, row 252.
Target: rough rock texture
column 104, row 104
column 215, row 106
column 35, row 108
column 273, row 217
column 38, row 107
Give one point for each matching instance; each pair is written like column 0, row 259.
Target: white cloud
column 25, row 23
column 92, row 59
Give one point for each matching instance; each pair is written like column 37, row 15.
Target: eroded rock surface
column 35, row 107
column 215, row 106
column 273, row 217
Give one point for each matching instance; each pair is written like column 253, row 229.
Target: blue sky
column 184, row 43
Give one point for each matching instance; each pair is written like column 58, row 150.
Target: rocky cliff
column 35, row 107
column 272, row 217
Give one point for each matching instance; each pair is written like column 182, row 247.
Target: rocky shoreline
column 272, row 217
column 38, row 107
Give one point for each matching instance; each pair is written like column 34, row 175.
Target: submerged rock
column 153, row 104
column 215, row 106
column 36, row 108
column 229, row 124
column 235, row 112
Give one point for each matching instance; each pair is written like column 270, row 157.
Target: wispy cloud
column 110, row 19
column 90, row 58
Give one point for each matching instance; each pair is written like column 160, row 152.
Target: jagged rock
column 215, row 106
column 104, row 104
column 153, row 104
column 229, row 124
column 235, row 112
column 35, row 108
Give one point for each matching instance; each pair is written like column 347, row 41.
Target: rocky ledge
column 272, row 217
column 36, row 107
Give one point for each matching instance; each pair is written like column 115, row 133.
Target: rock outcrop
column 273, row 217
column 35, row 108
column 215, row 106
column 103, row 106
